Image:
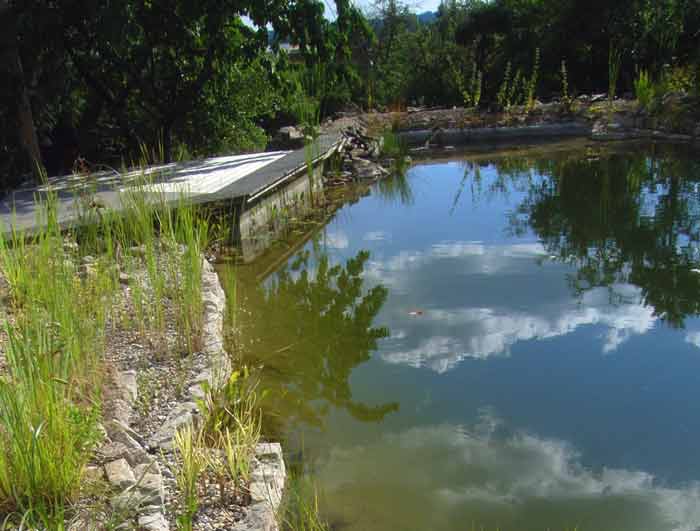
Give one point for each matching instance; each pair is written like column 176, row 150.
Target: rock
column 70, row 246
column 149, row 482
column 289, row 137
column 375, row 149
column 153, row 484
column 259, row 517
column 115, row 427
column 138, row 250
column 602, row 130
column 178, row 417
column 85, row 522
column 673, row 98
column 153, row 522
column 268, row 475
column 87, row 259
column 104, row 436
column 132, row 442
column 120, row 474
column 146, row 468
column 131, row 499
column 112, row 452
column 88, row 271
column 366, row 169
column 124, row 279
column 127, row 384
column 290, row 133
column 121, row 410
column 598, row 97
column 93, row 474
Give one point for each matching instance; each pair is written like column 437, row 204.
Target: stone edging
column 604, row 131
column 454, row 136
column 129, row 467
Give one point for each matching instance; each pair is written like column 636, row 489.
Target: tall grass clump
column 566, row 100
column 190, row 234
column 531, row 86
column 644, row 89
column 64, row 294
column 471, row 87
column 192, row 463
column 614, row 64
column 392, row 145
column 49, row 393
column 504, row 95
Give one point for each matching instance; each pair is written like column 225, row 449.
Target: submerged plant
column 300, row 508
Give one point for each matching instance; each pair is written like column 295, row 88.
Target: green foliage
column 503, row 98
column 106, row 78
column 531, row 86
column 644, row 89
column 393, row 146
column 614, row 63
column 566, row 99
column 64, row 295
column 300, row 507
column 192, row 462
column 229, row 404
column 471, row 91
column 49, row 403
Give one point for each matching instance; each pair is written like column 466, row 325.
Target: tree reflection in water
column 617, row 217
column 311, row 325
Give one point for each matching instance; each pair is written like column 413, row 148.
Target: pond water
column 503, row 342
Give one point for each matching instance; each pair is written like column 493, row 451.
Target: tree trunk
column 167, row 143
column 11, row 63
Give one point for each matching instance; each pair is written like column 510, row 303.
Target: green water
column 507, row 341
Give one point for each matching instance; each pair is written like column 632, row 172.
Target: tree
column 16, row 89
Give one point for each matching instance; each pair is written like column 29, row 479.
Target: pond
column 505, row 341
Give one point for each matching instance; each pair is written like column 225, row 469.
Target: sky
column 419, row 6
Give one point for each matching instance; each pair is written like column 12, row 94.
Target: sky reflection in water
column 532, row 360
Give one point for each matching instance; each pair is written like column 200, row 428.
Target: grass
column 188, row 444
column 644, row 89
column 614, row 64
column 393, row 146
column 531, row 87
column 300, row 508
column 64, row 297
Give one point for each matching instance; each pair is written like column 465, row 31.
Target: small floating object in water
column 415, row 313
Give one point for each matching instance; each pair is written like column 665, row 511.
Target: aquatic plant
column 300, row 507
